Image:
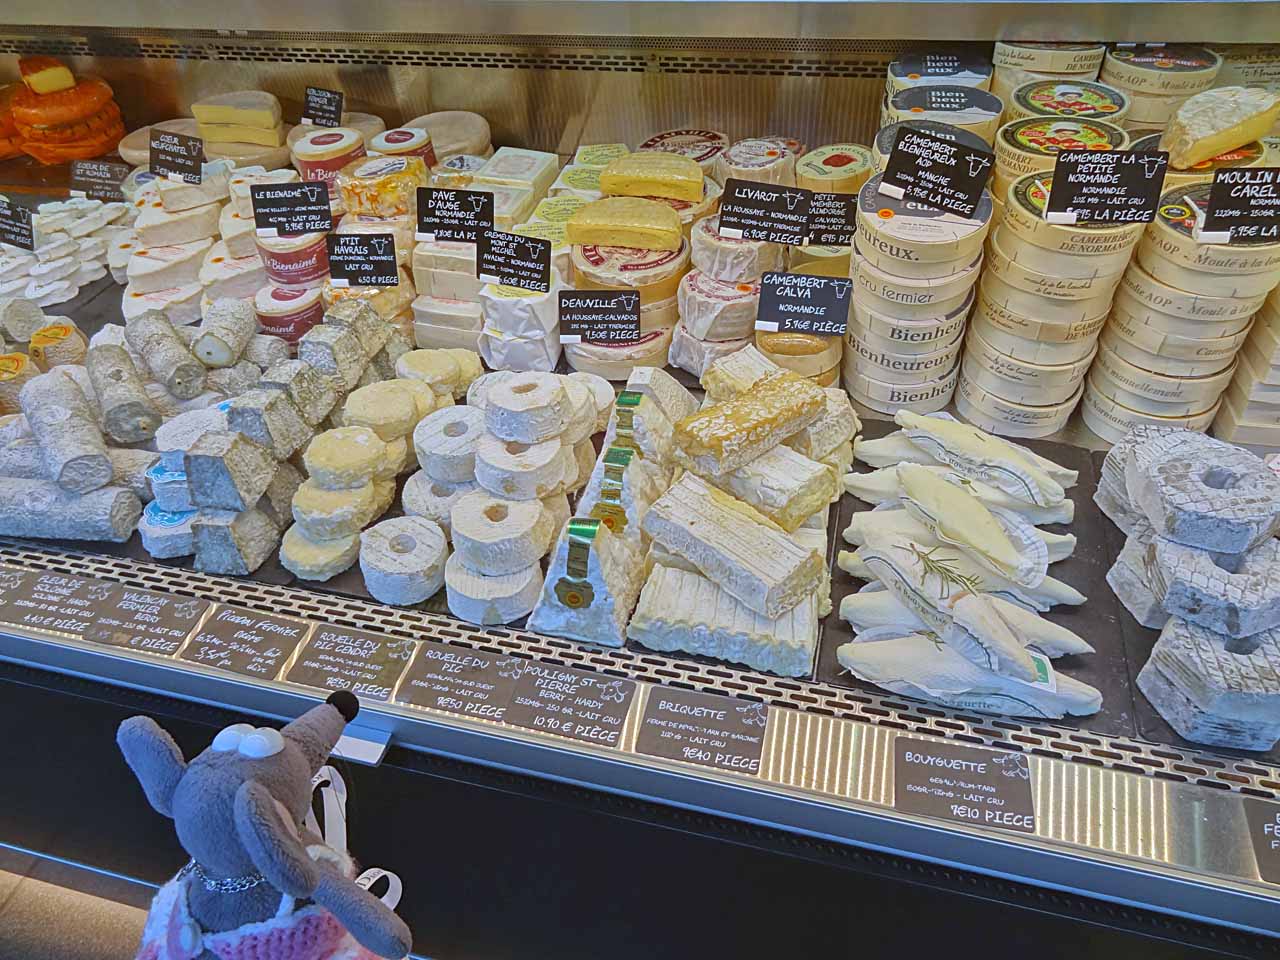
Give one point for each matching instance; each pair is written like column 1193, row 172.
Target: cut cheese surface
column 1216, row 121
column 653, row 174
column 626, row 222
column 250, row 108
column 243, row 133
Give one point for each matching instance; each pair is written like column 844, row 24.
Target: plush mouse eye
column 229, row 739
column 260, row 743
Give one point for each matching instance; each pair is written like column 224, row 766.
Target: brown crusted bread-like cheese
column 725, row 436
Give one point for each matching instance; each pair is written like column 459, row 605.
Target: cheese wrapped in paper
column 626, row 222
column 382, row 186
column 897, row 523
column 726, row 436
column 653, row 174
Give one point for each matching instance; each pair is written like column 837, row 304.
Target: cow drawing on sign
column 754, row 714
column 1151, row 166
column 977, row 164
column 1014, row 765
column 477, row 202
column 842, row 288
column 791, row 198
column 629, row 300
column 379, row 245
column 312, row 192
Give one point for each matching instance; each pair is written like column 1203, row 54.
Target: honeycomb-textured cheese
column 626, row 222
column 251, row 108
column 734, row 545
column 728, row 435
column 1211, row 123
column 653, row 174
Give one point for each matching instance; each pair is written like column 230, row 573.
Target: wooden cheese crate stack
column 913, row 273
column 1043, row 299
column 1182, row 314
column 1250, row 411
column 1158, row 78
column 1014, row 64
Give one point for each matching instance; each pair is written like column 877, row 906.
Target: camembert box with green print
column 1031, row 144
column 1024, row 217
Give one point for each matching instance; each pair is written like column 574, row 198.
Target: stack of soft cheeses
column 917, row 68
column 1044, row 297
column 968, row 107
column 913, row 274
column 1157, row 78
column 73, row 238
column 1083, row 99
column 738, row 562
column 456, row 133
column 633, row 239
column 1032, row 145
column 245, row 126
column 1019, row 63
column 1250, row 411
column 1183, row 313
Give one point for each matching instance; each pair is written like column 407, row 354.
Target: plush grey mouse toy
column 260, row 886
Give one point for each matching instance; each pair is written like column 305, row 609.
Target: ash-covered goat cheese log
column 127, row 413
column 151, row 336
column 63, row 423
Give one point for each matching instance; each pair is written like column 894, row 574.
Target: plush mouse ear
column 271, row 840
column 154, row 759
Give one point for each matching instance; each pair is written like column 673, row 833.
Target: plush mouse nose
column 317, row 731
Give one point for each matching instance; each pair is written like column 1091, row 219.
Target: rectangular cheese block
column 734, row 545
column 223, row 275
column 448, row 284
column 653, row 173
column 162, row 267
column 516, row 167
column 240, row 133
column 453, row 314
column 512, row 203
column 238, row 232
column 429, row 336
column 181, row 305
column 737, row 373
column 213, row 186
column 445, row 255
column 158, row 227
column 785, row 486
column 250, row 108
column 626, row 222
column 730, row 434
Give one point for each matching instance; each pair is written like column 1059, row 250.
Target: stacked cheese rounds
column 1032, row 144
column 1044, row 297
column 761, row 159
column 1017, row 63
column 920, row 69
column 1250, row 410
column 1157, row 79
column 1182, row 314
column 969, row 108
column 454, row 133
column 718, row 298
column 913, row 287
column 700, row 146
column 888, row 136
column 1066, row 98
column 56, row 117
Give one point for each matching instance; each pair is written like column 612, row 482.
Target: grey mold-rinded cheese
column 277, row 501
column 1129, row 579
column 228, row 471
column 362, row 320
column 129, row 470
column 334, row 351
column 234, row 380
column 125, row 411
column 167, row 535
column 264, row 350
column 235, row 543
column 40, row 509
column 228, row 326
column 63, row 423
column 269, row 418
column 403, row 559
column 1204, row 493
column 1238, row 595
column 310, row 390
column 397, row 345
column 1214, row 689
column 152, row 337
column 175, row 437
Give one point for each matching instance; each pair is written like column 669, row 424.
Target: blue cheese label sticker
column 948, row 781
column 804, row 303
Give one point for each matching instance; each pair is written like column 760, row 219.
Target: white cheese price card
column 764, row 211
column 801, row 303
column 599, row 316
column 1244, row 206
column 460, row 216
column 362, row 260
column 938, row 173
column 291, row 208
column 1106, row 186
column 322, row 108
column 511, row 260
column 176, row 156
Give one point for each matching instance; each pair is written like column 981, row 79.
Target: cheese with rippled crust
column 626, row 222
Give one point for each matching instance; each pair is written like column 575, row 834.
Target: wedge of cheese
column 248, row 108
column 242, row 133
column 591, row 586
column 1216, row 121
column 726, row 436
column 653, row 174
column 158, row 227
column 215, row 179
column 159, row 268
column 626, row 222
column 734, row 545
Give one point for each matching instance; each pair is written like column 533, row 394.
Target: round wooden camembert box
column 1111, row 420
column 1172, row 68
column 1171, row 235
column 1170, row 301
column 910, row 368
column 1100, row 381
column 1030, row 349
column 1050, row 57
column 1053, row 310
column 1025, row 205
column 905, row 297
column 1066, row 98
column 900, row 230
column 1031, row 144
column 1054, row 263
column 971, row 108
column 1008, row 390
column 1158, row 363
column 1003, row 417
column 908, row 336
column 1160, row 342
column 1160, row 387
column 891, row 397
column 1244, row 286
column 1022, row 380
column 1016, row 272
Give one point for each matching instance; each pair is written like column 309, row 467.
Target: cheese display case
column 744, row 426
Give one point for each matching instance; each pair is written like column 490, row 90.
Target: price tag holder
column 703, row 728
column 1264, row 830
column 764, row 211
column 511, row 260
column 340, row 658
column 1244, row 205
column 571, row 703
column 290, row 208
column 833, row 219
column 800, row 303
column 1106, row 186
column 599, row 316
column 458, row 215
column 362, row 260
column 468, row 683
column 246, row 642
column 15, row 226
column 98, row 179
column 136, row 619
column 322, row 108
column 937, row 173
column 176, row 156
column 948, row 781
column 51, row 602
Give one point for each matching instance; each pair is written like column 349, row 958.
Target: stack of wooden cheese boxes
column 1017, row 63
column 1250, row 411
column 1157, row 79
column 1044, row 297
column 1181, row 315
column 914, row 273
